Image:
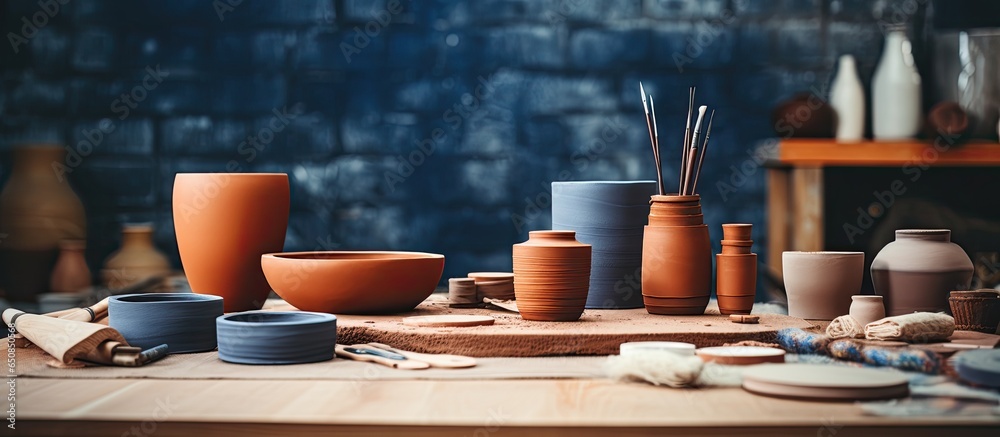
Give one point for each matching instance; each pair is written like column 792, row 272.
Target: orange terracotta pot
column 224, row 222
column 736, row 282
column 676, row 260
column 684, row 306
column 737, row 231
column 550, row 284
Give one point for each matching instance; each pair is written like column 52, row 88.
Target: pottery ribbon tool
column 69, row 340
column 361, row 352
column 435, row 360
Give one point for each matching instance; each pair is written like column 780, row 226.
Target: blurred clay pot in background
column 137, row 259
column 38, row 209
column 224, row 223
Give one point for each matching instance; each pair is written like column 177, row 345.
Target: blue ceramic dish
column 185, row 322
column 276, row 337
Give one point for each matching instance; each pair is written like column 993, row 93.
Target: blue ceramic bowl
column 276, row 337
column 185, row 322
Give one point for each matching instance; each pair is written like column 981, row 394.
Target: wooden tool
column 69, row 340
column 450, row 320
column 360, row 352
column 435, row 360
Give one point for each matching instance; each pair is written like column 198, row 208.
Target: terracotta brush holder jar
column 736, row 270
column 551, row 276
column 224, row 223
column 676, row 257
column 919, row 270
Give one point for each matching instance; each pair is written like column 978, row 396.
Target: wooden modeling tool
column 435, row 360
column 360, row 352
column 69, row 340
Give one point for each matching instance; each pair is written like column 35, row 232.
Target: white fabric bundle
column 916, row 327
column 845, row 327
column 667, row 368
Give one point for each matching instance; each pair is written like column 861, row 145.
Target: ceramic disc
column 830, row 382
column 980, row 367
column 453, row 320
column 741, row 355
column 679, row 348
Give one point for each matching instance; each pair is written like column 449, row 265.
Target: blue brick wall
column 510, row 95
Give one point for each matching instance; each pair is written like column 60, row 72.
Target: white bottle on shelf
column 847, row 97
column 896, row 110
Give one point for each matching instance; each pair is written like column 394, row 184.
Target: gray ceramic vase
column 185, row 322
column 276, row 337
column 609, row 216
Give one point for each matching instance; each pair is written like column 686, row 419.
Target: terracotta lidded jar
column 551, row 276
column 866, row 308
column 137, row 259
column 224, row 222
column 736, row 270
column 676, row 257
column 918, row 271
column 38, row 209
column 71, row 273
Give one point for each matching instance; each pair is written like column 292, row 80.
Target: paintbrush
column 652, row 140
column 693, row 150
column 656, row 146
column 704, row 150
column 687, row 140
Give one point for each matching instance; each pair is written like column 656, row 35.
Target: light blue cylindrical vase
column 609, row 216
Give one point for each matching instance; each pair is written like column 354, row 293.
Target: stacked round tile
column 551, row 276
column 736, row 270
column 608, row 215
column 494, row 285
column 462, row 293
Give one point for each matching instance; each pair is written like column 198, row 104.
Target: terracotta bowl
column 353, row 282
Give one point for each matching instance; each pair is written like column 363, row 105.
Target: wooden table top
column 83, row 407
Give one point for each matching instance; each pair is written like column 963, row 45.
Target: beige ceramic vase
column 919, row 270
column 71, row 273
column 38, row 209
column 137, row 259
column 866, row 308
column 820, row 284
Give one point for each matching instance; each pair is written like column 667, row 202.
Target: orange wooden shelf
column 828, row 153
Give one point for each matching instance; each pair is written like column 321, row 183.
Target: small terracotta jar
column 736, row 270
column 918, row 271
column 551, row 276
column 866, row 308
column 71, row 273
column 137, row 259
column 676, row 257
